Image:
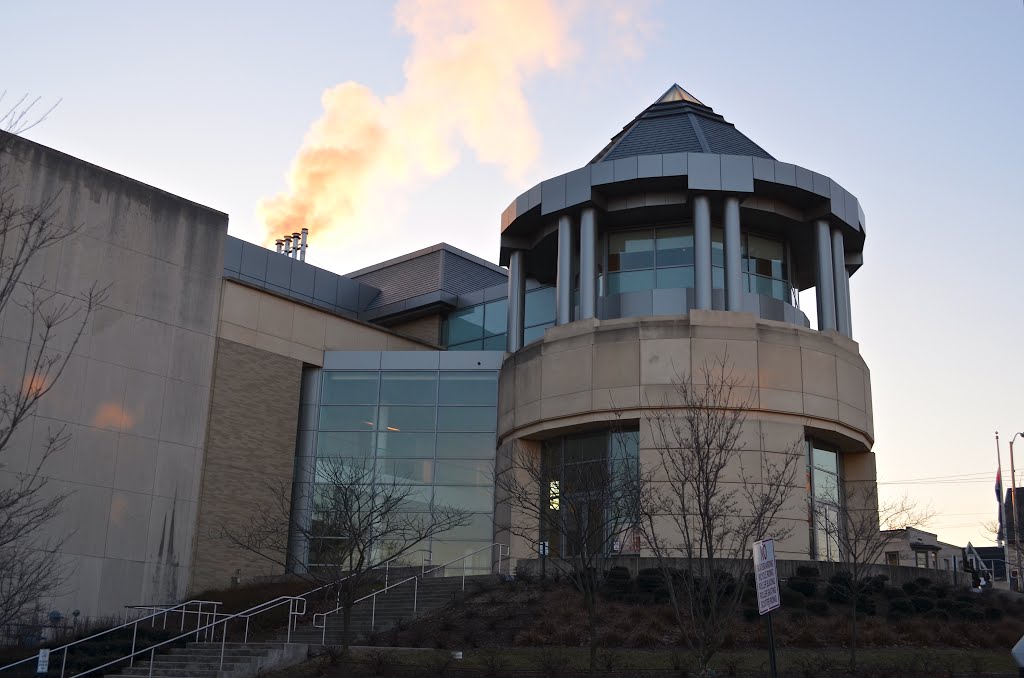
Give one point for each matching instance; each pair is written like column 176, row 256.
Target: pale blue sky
column 915, row 107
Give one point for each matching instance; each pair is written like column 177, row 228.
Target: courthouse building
column 217, row 366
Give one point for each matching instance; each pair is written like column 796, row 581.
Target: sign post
column 43, row 663
column 543, row 560
column 766, row 578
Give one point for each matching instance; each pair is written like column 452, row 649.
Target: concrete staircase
column 394, row 605
column 202, row 660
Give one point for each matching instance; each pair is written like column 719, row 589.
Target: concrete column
column 825, row 283
column 516, row 300
column 563, row 280
column 733, row 263
column 588, row 263
column 702, row 251
column 841, row 282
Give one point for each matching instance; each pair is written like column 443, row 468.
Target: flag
column 999, row 486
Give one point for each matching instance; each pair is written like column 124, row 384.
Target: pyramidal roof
column 679, row 122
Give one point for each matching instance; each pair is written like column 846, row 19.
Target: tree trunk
column 592, row 627
column 853, row 631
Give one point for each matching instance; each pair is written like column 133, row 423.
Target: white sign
column 1018, row 653
column 44, row 661
column 765, row 576
column 543, row 548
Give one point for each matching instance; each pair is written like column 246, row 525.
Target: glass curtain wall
column 578, row 472
column 823, row 491
column 431, row 430
column 663, row 258
column 485, row 326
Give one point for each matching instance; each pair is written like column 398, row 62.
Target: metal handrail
column 503, row 551
column 134, row 623
column 245, row 614
column 387, row 570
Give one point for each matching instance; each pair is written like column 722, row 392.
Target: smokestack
column 287, row 246
column 302, row 252
column 280, row 244
column 295, row 249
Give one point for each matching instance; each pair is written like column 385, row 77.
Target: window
column 824, row 497
column 921, row 559
column 574, row 467
column 480, row 327
column 892, row 558
column 765, row 267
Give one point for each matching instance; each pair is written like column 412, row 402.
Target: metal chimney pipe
column 280, row 244
column 295, row 249
column 287, row 246
column 302, row 251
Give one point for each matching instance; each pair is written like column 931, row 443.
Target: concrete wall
column 250, row 457
column 287, row 328
column 799, row 383
column 135, row 393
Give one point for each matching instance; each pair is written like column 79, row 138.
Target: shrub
column 922, row 604
column 901, row 606
column 807, row 588
column 818, row 607
column 866, row 604
column 806, row 572
column 891, row 592
column 838, row 593
column 552, row 662
column 873, row 585
column 650, row 580
column 910, row 587
column 618, row 579
column 751, row 614
column 792, row 599
column 937, row 616
column 924, row 582
column 993, row 613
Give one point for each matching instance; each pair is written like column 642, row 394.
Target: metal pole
column 771, row 648
column 152, row 656
column 63, row 662
column 465, row 562
column 1002, row 511
column 135, row 630
column 415, row 594
column 373, row 613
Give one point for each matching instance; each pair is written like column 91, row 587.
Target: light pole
column 1013, row 504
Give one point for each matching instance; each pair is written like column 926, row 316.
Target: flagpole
column 1002, row 513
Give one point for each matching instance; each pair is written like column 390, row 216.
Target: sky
column 450, row 109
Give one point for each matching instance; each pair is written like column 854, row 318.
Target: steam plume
column 464, row 83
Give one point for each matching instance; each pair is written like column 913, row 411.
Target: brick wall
column 427, row 328
column 250, row 448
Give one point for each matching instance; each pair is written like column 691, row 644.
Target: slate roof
column 679, row 123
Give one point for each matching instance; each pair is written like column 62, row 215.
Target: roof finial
column 677, row 93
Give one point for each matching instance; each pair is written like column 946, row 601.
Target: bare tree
column 361, row 517
column 575, row 504
column 865, row 531
column 30, row 564
column 701, row 510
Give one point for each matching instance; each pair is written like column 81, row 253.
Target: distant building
column 913, row 547
column 218, row 365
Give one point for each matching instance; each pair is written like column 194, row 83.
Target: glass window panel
column 826, row 486
column 415, row 471
column 466, row 418
column 443, row 552
column 630, row 281
column 540, row 306
column 476, row 499
column 584, row 448
column 762, row 285
column 478, row 526
column 827, row 460
column 625, row 444
column 466, row 324
column 678, row 277
column 465, row 445
column 349, row 388
column 464, row 472
column 347, row 417
column 344, row 444
column 717, row 247
column 394, row 445
column 496, row 317
column 675, row 246
column 780, row 290
column 408, row 388
column 630, row 250
column 406, row 418
column 468, row 388
column 469, row 346
column 534, row 333
column 496, row 343
column 344, row 471
column 717, row 278
column 416, row 499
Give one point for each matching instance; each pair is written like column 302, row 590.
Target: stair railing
column 503, row 552
column 296, row 608
column 180, row 608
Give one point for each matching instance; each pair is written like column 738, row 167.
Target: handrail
column 245, row 614
column 503, row 551
column 387, row 569
column 134, row 623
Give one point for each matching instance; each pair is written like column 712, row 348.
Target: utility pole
column 1002, row 515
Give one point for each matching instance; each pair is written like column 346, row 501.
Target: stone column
column 702, row 251
column 825, row 283
column 733, row 262
column 516, row 299
column 563, row 280
column 588, row 263
column 841, row 283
